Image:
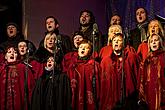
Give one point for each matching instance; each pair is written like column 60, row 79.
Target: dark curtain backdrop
column 67, row 12
column 126, row 9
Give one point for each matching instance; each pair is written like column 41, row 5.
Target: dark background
column 30, row 14
column 10, row 11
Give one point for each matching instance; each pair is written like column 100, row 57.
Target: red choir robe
column 111, row 73
column 37, row 68
column 105, row 51
column 1, row 57
column 81, row 73
column 152, row 81
column 12, row 77
column 68, row 60
column 142, row 51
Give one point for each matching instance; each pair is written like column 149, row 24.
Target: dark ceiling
column 10, row 11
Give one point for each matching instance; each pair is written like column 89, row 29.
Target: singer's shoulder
column 64, row 35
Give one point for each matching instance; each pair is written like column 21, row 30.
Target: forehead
column 22, row 43
column 50, row 36
column 155, row 22
column 118, row 37
column 85, row 44
column 155, row 37
column 10, row 49
column 115, row 17
column 49, row 19
column 50, row 58
column 140, row 9
column 11, row 26
column 77, row 36
column 85, row 13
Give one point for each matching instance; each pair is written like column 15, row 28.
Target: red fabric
column 143, row 51
column 2, row 57
column 80, row 74
column 151, row 80
column 111, row 71
column 12, row 86
column 37, row 68
column 68, row 60
column 105, row 51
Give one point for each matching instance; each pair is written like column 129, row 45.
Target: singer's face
column 85, row 18
column 153, row 27
column 11, row 55
column 50, row 63
column 115, row 20
column 114, row 30
column 140, row 15
column 22, row 48
column 50, row 25
column 117, row 43
column 11, row 31
column 84, row 50
column 50, row 41
column 154, row 43
column 77, row 39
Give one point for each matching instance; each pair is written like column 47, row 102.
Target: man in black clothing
column 52, row 26
column 139, row 34
column 89, row 28
column 13, row 35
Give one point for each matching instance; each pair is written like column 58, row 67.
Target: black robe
column 52, row 92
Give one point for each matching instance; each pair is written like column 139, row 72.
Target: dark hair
column 144, row 10
column 77, row 33
column 11, row 46
column 115, row 14
column 56, row 31
column 14, row 24
column 92, row 20
column 56, row 21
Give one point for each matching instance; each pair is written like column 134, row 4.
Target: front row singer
column 121, row 63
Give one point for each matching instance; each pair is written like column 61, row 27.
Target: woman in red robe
column 154, row 27
column 84, row 79
column 26, row 51
column 71, row 56
column 107, row 50
column 152, row 79
column 12, row 82
column 118, row 77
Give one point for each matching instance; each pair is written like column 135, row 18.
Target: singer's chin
column 85, row 25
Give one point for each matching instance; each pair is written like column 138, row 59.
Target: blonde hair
column 112, row 26
column 48, row 35
column 161, row 31
column 160, row 39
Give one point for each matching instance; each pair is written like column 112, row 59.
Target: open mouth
column 51, row 44
column 83, row 20
column 140, row 18
column 49, row 26
column 49, row 65
column 153, row 31
column 82, row 52
column 11, row 32
column 12, row 57
column 22, row 50
column 154, row 46
column 116, row 45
